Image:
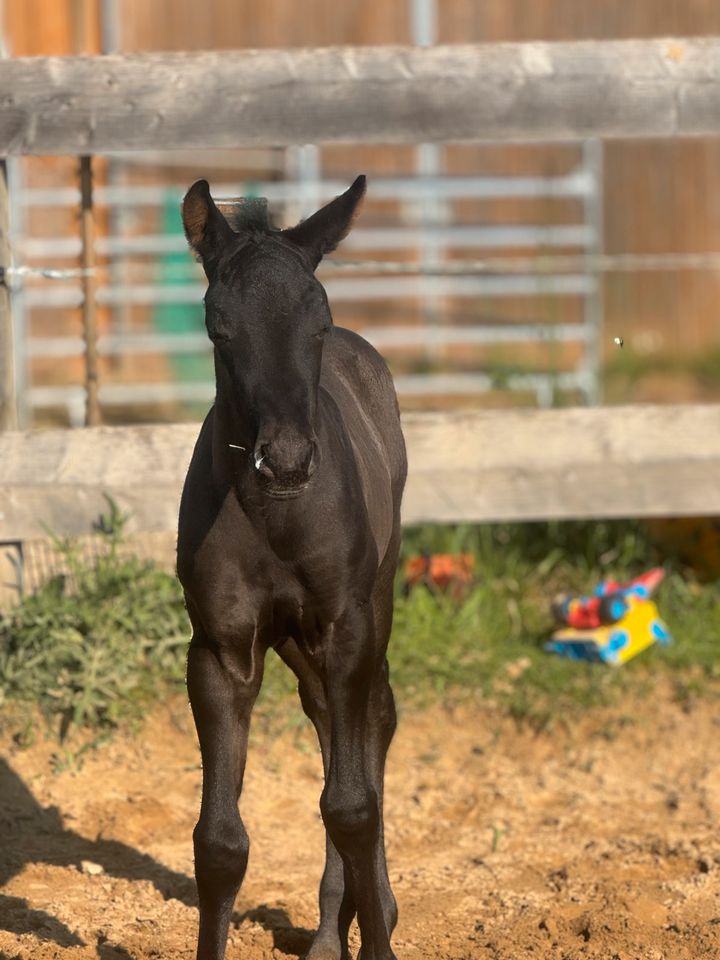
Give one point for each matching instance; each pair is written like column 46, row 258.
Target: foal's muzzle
column 285, row 464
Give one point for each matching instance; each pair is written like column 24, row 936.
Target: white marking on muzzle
column 258, row 461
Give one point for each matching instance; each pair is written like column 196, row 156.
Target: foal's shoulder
column 358, row 379
column 350, row 355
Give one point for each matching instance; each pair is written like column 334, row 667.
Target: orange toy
column 450, row 573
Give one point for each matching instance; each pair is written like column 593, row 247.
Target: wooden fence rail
column 639, row 461
column 499, row 92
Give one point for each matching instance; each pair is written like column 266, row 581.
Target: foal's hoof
column 326, row 953
column 326, row 949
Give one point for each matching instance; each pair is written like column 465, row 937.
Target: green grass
column 98, row 648
column 623, row 371
column 492, row 642
column 626, row 368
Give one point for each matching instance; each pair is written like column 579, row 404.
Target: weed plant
column 97, row 644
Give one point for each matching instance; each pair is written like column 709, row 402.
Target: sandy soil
column 597, row 842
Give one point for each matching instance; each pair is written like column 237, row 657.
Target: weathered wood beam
column 502, row 91
column 566, row 464
column 639, row 461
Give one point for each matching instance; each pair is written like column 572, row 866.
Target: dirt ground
column 600, row 841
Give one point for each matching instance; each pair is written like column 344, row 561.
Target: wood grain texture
column 564, row 464
column 501, row 92
column 485, row 466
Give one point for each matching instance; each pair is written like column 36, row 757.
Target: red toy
column 608, row 602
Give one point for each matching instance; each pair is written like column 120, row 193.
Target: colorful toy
column 613, row 625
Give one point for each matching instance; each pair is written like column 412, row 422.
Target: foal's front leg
column 337, row 908
column 350, row 802
column 223, row 683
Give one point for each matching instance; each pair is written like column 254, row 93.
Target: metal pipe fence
column 353, row 283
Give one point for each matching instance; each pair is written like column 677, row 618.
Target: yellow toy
column 613, row 625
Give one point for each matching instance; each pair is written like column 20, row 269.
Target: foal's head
column 268, row 315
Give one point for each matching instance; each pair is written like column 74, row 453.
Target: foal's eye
column 218, row 324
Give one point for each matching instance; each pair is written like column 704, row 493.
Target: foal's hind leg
column 223, row 684
column 337, row 907
column 382, row 721
column 350, row 802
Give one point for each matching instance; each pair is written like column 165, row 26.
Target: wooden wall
column 186, row 24
column 39, row 28
column 228, row 24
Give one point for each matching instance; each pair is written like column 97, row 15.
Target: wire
column 49, row 273
column 499, row 266
column 576, row 263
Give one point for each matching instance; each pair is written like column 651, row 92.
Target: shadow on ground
column 31, row 833
column 294, row 941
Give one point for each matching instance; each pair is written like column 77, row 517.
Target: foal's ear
column 206, row 228
column 324, row 230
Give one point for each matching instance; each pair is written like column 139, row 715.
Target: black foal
column 289, row 536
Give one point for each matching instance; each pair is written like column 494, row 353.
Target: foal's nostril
column 312, row 459
column 262, row 459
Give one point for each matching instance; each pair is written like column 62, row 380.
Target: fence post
column 8, row 400
column 89, row 307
